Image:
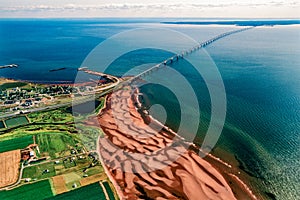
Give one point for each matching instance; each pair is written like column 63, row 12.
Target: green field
column 90, row 192
column 5, row 86
column 36, row 191
column 37, row 171
column 16, row 143
column 56, row 144
column 16, row 121
column 109, row 190
column 53, row 116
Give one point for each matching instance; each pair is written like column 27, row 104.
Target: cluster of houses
column 20, row 98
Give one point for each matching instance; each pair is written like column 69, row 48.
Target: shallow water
column 259, row 67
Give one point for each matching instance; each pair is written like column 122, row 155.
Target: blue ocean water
column 260, row 69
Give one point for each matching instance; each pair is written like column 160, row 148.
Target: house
column 31, row 153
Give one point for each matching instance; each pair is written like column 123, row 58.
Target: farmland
column 55, row 144
column 9, row 167
column 90, row 192
column 37, row 191
column 38, row 171
column 92, row 179
column 16, row 121
column 16, row 143
column 109, row 190
column 62, row 164
column 59, row 184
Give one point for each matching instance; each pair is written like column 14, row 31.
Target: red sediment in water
column 147, row 161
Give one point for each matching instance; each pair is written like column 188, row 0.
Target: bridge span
column 184, row 53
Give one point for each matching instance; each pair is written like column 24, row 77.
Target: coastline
column 123, row 179
column 217, row 162
column 60, row 83
column 223, row 167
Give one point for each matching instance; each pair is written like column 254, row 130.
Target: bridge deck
column 186, row 52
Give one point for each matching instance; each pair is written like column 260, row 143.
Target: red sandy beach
column 148, row 161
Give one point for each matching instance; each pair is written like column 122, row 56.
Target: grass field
column 16, row 121
column 90, row 192
column 36, row 191
column 37, row 171
column 109, row 190
column 5, row 86
column 53, row 116
column 56, row 144
column 16, row 143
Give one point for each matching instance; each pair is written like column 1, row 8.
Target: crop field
column 92, row 179
column 109, row 190
column 16, row 143
column 9, row 167
column 37, row 171
column 16, row 121
column 37, row 191
column 90, row 192
column 59, row 184
column 56, row 144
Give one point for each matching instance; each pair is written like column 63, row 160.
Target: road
column 76, row 101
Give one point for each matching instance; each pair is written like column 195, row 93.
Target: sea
column 259, row 69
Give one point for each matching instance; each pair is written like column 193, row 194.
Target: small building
column 31, row 153
column 27, row 179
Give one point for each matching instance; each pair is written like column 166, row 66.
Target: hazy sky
column 151, row 8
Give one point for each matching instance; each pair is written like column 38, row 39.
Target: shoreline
column 224, row 164
column 129, row 144
column 210, row 156
column 4, row 80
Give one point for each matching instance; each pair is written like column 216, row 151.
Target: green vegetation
column 89, row 136
column 94, row 170
column 109, row 190
column 16, row 121
column 69, row 164
column 90, row 192
column 60, row 138
column 37, row 191
column 55, row 144
column 39, row 171
column 101, row 105
column 53, row 116
column 16, row 143
column 5, row 86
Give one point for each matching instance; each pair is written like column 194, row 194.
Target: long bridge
column 183, row 54
column 119, row 84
